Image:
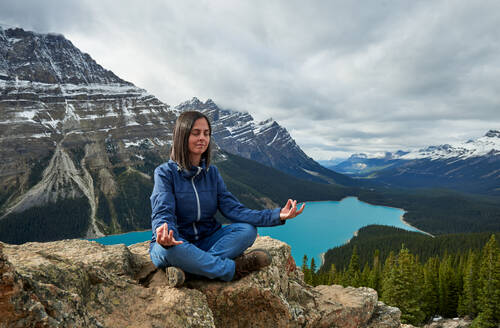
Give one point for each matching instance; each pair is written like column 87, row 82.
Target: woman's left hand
column 290, row 210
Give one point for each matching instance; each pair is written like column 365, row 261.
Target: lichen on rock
column 79, row 283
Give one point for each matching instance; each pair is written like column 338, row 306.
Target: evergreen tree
column 402, row 288
column 468, row 299
column 375, row 276
column 365, row 274
column 430, row 290
column 312, row 270
column 353, row 274
column 332, row 275
column 306, row 271
column 489, row 286
column 387, row 274
column 448, row 295
column 313, row 265
column 304, row 263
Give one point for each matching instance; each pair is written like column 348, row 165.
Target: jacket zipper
column 198, row 203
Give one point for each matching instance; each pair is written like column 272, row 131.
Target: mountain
column 75, row 141
column 471, row 166
column 265, row 142
column 362, row 164
column 329, row 163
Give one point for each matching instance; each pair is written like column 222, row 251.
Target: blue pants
column 209, row 257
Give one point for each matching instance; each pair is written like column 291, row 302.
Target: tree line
column 460, row 284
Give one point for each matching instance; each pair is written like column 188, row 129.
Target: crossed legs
column 211, row 257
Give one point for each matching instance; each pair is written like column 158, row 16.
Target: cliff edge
column 79, row 283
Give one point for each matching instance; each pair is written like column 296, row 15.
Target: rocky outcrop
column 78, row 283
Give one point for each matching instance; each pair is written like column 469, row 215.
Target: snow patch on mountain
column 489, row 144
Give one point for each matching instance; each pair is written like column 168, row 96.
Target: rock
column 385, row 316
column 79, row 283
column 450, row 323
column 346, row 307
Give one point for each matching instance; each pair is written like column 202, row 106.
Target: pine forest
column 465, row 284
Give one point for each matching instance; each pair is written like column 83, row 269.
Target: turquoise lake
column 322, row 225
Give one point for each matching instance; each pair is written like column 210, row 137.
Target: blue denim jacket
column 188, row 201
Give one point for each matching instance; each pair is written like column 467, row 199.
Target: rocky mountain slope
column 265, row 142
column 472, row 166
column 77, row 283
column 74, row 138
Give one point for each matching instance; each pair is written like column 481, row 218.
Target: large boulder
column 79, row 283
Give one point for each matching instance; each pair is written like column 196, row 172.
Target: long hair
column 180, row 144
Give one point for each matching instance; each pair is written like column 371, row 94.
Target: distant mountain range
column 471, row 166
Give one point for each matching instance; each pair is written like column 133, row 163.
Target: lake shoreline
column 356, row 232
column 419, row 230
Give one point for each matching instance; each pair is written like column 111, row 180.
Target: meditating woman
column 187, row 193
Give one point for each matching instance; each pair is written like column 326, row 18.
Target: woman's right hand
column 165, row 237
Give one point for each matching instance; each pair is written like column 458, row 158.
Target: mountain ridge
column 471, row 166
column 266, row 142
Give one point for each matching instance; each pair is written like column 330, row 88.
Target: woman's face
column 199, row 138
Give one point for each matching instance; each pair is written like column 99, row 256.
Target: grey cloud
column 341, row 76
column 47, row 16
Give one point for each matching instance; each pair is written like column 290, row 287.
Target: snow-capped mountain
column 471, row 166
column 487, row 145
column 48, row 58
column 265, row 142
column 70, row 132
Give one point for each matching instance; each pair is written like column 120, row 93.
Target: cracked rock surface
column 79, row 283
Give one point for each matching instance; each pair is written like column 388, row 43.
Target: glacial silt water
column 322, row 225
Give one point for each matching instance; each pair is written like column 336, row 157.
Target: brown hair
column 180, row 144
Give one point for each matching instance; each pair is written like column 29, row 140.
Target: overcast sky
column 341, row 76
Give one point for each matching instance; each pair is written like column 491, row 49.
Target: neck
column 195, row 160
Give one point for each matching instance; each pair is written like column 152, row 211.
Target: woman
column 187, row 193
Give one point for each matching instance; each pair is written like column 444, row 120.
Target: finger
column 164, row 232
column 159, row 232
column 176, row 242
column 301, row 209
column 288, row 204
column 160, row 237
column 172, row 240
column 170, row 236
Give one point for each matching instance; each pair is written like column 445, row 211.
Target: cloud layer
column 341, row 76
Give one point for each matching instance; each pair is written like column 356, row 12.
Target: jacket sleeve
column 163, row 202
column 232, row 209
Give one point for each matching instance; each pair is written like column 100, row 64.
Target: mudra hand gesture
column 165, row 237
column 290, row 210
